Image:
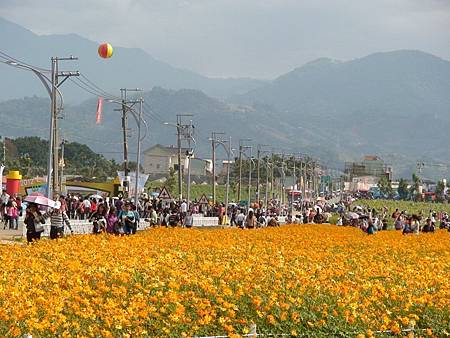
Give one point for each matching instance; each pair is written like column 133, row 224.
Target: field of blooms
column 303, row 280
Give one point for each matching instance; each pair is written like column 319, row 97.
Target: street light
column 251, row 161
column 229, row 152
column 49, row 85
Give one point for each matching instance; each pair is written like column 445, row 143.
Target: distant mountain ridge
column 129, row 67
column 393, row 104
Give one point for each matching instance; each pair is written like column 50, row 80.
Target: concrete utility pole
column 241, row 149
column 53, row 182
column 271, row 176
column 258, row 156
column 180, row 176
column 214, row 141
column 266, row 191
column 184, row 132
column 126, row 181
column 250, row 178
column 240, row 171
column 138, row 155
column 282, row 180
column 190, row 155
column 294, row 178
column 229, row 152
column 125, row 108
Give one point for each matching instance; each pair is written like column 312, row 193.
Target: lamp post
column 229, row 152
column 52, row 87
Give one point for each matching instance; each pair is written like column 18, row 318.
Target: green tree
column 440, row 188
column 414, row 190
column 385, row 186
column 403, row 189
column 171, row 181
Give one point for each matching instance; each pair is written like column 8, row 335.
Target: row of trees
column 409, row 192
column 29, row 156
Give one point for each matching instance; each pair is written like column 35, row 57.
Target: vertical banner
column 98, row 116
column 2, row 167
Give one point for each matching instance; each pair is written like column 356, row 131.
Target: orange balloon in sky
column 105, row 50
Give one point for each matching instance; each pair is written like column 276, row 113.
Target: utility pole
column 190, row 155
column 213, row 178
column 180, row 176
column 240, row 171
column 314, row 182
column 257, row 171
column 184, row 132
column 271, row 176
column 292, row 191
column 126, row 106
column 213, row 181
column 266, row 199
column 250, row 178
column 241, row 149
column 282, row 181
column 258, row 156
column 138, row 155
column 228, row 179
column 125, row 143
column 53, row 182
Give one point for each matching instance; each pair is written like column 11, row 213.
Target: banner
column 132, row 181
column 98, row 116
column 2, row 167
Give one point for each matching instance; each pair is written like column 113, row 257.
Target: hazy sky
column 258, row 38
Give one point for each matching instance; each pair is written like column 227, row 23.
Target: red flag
column 98, row 116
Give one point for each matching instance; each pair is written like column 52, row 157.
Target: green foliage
column 403, row 189
column 385, row 186
column 29, row 155
column 171, row 181
column 440, row 188
column 414, row 190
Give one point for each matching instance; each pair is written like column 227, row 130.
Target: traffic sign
column 203, row 200
column 164, row 194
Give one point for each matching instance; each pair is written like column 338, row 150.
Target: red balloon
column 105, row 50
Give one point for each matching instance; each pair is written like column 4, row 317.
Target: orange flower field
column 300, row 280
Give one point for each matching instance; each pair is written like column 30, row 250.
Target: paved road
column 6, row 234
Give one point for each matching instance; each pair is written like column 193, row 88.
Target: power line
column 98, row 88
column 10, row 58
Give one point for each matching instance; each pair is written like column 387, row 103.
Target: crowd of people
column 10, row 210
column 372, row 220
column 121, row 217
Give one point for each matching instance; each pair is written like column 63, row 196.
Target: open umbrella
column 40, row 199
column 352, row 215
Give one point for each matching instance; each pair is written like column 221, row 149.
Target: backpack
column 173, row 220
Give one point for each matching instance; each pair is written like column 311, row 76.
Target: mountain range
column 128, row 68
column 395, row 104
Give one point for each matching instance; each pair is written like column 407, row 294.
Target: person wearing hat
column 33, row 221
column 57, row 219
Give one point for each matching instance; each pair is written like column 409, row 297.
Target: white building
column 159, row 159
